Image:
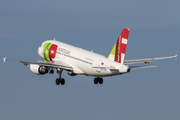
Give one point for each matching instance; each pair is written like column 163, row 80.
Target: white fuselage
column 85, row 62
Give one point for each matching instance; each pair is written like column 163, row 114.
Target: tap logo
column 49, row 51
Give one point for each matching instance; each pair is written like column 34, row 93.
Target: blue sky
column 151, row 94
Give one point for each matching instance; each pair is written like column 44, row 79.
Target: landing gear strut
column 98, row 80
column 60, row 80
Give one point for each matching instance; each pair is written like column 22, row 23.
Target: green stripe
column 113, row 50
column 45, row 44
column 106, row 56
column 46, row 50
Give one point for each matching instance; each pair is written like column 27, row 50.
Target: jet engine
column 38, row 70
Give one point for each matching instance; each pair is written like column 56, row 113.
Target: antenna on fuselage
column 54, row 39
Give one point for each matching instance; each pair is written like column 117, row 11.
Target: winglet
column 175, row 57
column 4, row 59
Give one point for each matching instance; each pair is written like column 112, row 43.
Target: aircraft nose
column 40, row 52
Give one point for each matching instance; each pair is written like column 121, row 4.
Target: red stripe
column 123, row 48
column 52, row 51
column 125, row 33
column 117, row 53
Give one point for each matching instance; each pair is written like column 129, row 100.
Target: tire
column 62, row 81
column 100, row 81
column 58, row 81
column 95, row 81
column 51, row 71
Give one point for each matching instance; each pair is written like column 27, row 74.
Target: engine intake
column 38, row 70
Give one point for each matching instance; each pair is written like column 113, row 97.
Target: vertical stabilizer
column 118, row 52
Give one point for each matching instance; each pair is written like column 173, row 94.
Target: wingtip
column 4, row 59
column 175, row 57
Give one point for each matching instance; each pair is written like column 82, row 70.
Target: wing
column 54, row 64
column 147, row 60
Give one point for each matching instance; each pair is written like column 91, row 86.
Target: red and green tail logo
column 49, row 51
column 118, row 52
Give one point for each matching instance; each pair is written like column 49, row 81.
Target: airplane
column 77, row 61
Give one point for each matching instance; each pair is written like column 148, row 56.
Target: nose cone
column 40, row 52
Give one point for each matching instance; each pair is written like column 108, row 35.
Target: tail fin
column 118, row 52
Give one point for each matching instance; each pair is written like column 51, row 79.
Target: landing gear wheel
column 52, row 71
column 100, row 81
column 95, row 80
column 58, row 81
column 62, row 81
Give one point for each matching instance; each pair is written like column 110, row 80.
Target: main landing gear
column 60, row 80
column 98, row 80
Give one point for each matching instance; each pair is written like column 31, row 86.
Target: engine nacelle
column 38, row 70
column 72, row 74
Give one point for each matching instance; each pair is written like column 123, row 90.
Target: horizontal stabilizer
column 147, row 59
column 140, row 67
